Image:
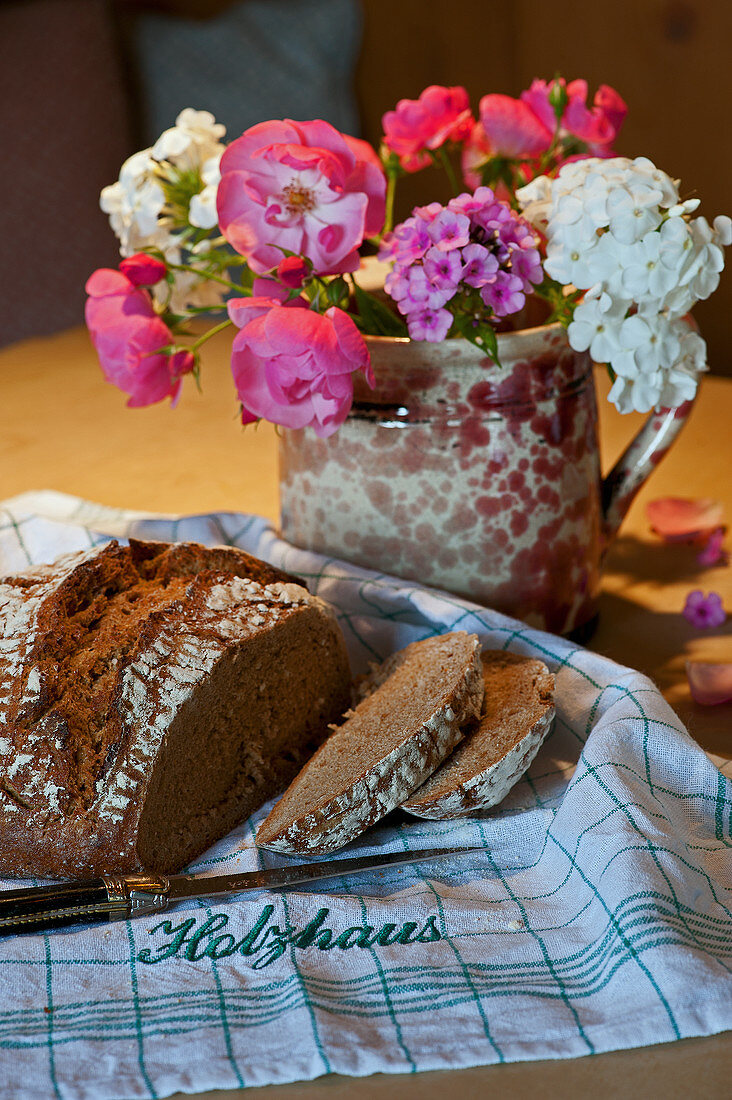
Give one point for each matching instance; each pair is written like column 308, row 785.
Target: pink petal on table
column 713, row 552
column 677, row 518
column 710, row 684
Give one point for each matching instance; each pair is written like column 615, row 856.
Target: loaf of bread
column 518, row 712
column 416, row 705
column 151, row 697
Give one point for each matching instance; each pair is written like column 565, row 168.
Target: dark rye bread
column 418, row 702
column 152, row 696
column 518, row 712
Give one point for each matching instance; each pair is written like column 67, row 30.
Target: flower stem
column 207, row 335
column 208, row 275
column 445, row 162
column 390, row 193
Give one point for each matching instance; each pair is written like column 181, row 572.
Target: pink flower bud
column 292, row 271
column 182, row 362
column 143, row 270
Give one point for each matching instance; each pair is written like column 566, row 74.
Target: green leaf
column 562, row 305
column 377, row 319
column 336, row 291
column 483, row 335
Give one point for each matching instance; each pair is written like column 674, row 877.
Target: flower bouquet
column 273, row 228
column 428, row 429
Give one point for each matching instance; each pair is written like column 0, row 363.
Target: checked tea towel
column 598, row 915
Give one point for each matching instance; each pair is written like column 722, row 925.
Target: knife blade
column 120, row 897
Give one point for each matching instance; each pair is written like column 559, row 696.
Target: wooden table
column 62, row 428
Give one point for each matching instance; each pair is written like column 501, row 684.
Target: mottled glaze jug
column 479, row 479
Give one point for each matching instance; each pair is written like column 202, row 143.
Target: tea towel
column 597, row 916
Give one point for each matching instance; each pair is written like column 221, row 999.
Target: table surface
column 62, row 428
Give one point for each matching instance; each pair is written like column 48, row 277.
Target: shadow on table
column 655, row 562
column 645, row 638
column 658, row 643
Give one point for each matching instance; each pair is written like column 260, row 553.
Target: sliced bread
column 419, row 702
column 517, row 715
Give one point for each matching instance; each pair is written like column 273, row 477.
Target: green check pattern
column 598, row 915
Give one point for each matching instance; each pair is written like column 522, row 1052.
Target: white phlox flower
column 723, row 230
column 134, row 203
column 693, row 356
column 596, row 330
column 651, row 340
column 643, row 276
column 637, row 395
column 570, row 265
column 137, row 203
column 202, row 210
column 165, row 196
column 618, row 230
column 195, row 139
column 535, row 200
column 633, row 212
column 636, row 390
column 606, row 261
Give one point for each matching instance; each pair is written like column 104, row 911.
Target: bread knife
column 119, row 897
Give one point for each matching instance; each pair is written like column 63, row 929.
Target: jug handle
column 638, row 461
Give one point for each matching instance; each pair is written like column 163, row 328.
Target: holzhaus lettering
column 267, row 941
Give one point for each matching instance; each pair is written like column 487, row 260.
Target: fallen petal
column 679, row 518
column 709, row 684
column 713, row 552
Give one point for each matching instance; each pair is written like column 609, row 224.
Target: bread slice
column 517, row 715
column 420, row 700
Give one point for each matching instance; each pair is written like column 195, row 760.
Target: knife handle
column 114, row 897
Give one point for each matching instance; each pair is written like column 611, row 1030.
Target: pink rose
column 293, row 366
column 512, row 129
column 476, row 152
column 524, row 128
column 596, row 126
column 439, row 115
column 128, row 335
column 300, row 187
column 610, row 104
column 143, row 270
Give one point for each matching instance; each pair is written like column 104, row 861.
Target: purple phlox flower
column 406, row 243
column 484, row 195
column 396, row 285
column 421, row 293
column 704, row 611
column 424, row 290
column 430, row 324
column 475, row 243
column 389, row 247
column 526, row 263
column 470, row 205
column 504, row 295
column 443, row 269
column 428, row 213
column 449, row 230
column 497, row 218
column 480, row 265
column 713, row 552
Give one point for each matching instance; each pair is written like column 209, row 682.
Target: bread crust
column 98, row 654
